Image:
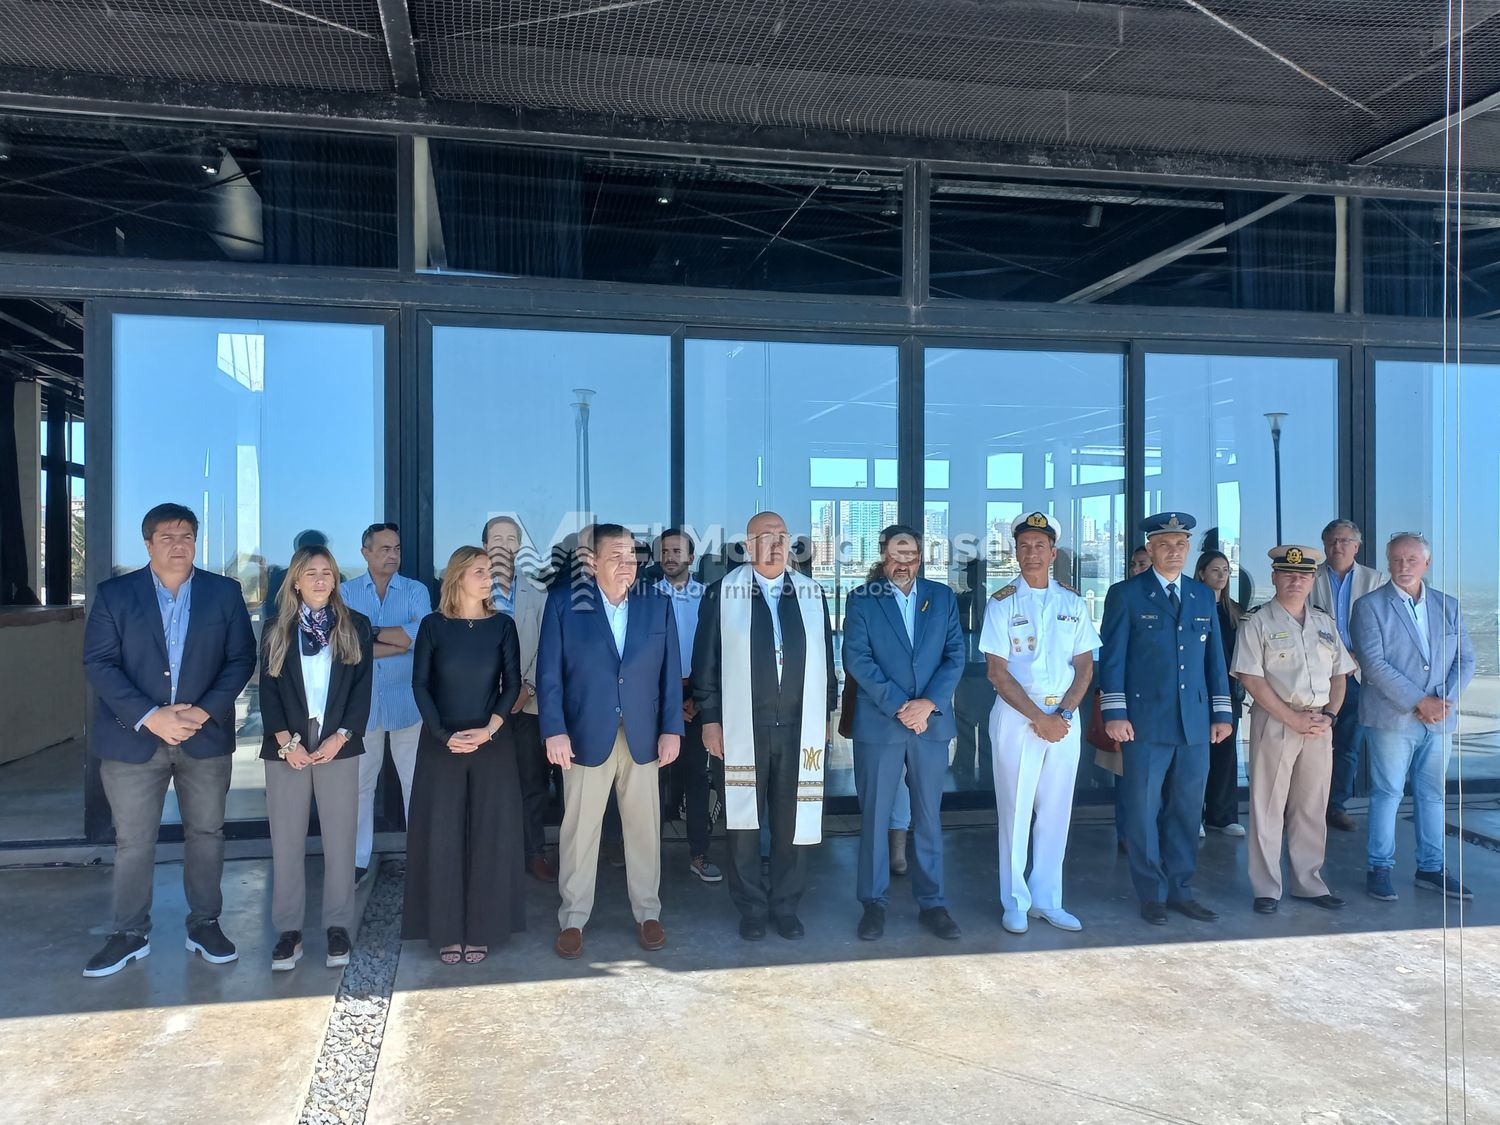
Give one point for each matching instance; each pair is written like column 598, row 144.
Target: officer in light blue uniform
column 1165, row 699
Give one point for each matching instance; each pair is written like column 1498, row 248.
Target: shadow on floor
column 55, row 922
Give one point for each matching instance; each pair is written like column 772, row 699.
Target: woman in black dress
column 463, row 842
column 1221, row 796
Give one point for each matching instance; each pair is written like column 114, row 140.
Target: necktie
column 1173, row 598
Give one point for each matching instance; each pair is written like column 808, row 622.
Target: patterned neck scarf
column 314, row 627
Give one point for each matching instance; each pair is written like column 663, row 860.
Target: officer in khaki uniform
column 1293, row 663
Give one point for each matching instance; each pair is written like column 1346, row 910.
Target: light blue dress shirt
column 685, row 603
column 175, row 611
column 907, row 604
column 618, row 617
column 1419, row 615
column 505, row 603
column 1343, row 592
column 406, row 602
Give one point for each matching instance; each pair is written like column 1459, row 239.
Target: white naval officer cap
column 1036, row 521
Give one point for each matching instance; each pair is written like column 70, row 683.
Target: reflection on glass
column 1209, row 452
column 1437, row 472
column 513, row 435
column 272, row 432
column 807, row 430
column 1010, row 432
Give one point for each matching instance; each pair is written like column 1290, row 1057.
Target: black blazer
column 283, row 698
column 772, row 704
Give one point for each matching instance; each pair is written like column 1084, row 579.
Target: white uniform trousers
column 404, row 754
column 1032, row 776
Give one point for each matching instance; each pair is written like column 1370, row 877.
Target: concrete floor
column 1333, row 1019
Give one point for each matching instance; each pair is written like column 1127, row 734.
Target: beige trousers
column 1289, row 780
column 586, row 792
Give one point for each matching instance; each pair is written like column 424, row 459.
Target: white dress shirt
column 317, row 671
column 618, row 616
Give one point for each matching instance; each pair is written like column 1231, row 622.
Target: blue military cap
column 1164, row 522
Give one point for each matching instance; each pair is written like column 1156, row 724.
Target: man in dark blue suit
column 1164, row 696
column 904, row 649
column 167, row 650
column 609, row 701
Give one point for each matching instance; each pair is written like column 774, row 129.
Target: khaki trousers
column 1289, row 780
column 586, row 792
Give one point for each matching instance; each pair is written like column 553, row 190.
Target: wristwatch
column 346, row 732
column 1065, row 714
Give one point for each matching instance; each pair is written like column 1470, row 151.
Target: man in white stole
column 763, row 680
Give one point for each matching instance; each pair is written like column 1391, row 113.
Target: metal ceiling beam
column 1428, row 131
column 401, row 46
column 1146, row 266
column 199, row 105
column 33, row 330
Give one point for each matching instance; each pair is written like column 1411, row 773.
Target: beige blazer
column 1365, row 580
column 530, row 602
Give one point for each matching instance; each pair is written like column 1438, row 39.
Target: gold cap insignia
column 1294, row 555
column 1036, row 519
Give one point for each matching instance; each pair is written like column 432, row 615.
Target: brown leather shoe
column 651, row 934
column 539, row 868
column 570, row 944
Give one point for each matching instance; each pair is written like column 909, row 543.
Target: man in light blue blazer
column 905, row 651
column 1414, row 660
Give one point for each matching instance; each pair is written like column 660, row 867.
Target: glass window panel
column 532, row 212
column 1002, row 423
column 1438, row 472
column 108, row 188
column 758, row 414
column 839, row 472
column 1405, row 264
column 243, row 458
column 1210, row 453
column 546, row 426
column 1034, row 240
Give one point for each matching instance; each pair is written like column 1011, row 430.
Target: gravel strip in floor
column 345, row 1069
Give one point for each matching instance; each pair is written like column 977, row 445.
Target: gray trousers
column 136, row 792
column 289, row 797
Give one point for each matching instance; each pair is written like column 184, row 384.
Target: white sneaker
column 1059, row 918
column 1201, row 833
column 1233, row 829
column 1014, row 922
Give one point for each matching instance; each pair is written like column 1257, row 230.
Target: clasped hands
column 468, row 741
column 914, row 713
column 1432, row 709
column 299, row 758
column 175, row 723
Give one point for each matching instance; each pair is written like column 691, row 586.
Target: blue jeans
column 1421, row 753
column 1348, row 737
column 901, row 807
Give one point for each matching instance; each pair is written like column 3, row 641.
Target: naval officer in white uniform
column 1039, row 643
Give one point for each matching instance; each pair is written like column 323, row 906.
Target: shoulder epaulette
column 1255, row 609
column 1069, row 589
column 1004, row 592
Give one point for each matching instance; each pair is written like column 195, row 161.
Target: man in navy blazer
column 167, row 649
column 609, row 701
column 904, row 649
column 1415, row 660
column 1164, row 696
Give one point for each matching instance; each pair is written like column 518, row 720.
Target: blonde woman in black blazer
column 315, row 681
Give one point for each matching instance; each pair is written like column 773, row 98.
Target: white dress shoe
column 1014, row 922
column 1233, row 829
column 1059, row 918
column 1201, row 833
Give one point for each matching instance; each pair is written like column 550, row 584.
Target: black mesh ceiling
column 1324, row 80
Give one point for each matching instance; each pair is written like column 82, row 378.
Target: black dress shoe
column 872, row 925
column 1194, row 910
column 752, row 929
column 1341, row 820
column 789, row 926
column 1327, row 902
column 940, row 922
column 1154, row 912
column 1265, row 906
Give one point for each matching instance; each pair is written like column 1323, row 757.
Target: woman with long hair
column 315, row 681
column 464, row 854
column 1221, row 796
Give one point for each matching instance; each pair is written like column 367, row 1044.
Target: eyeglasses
column 1344, row 541
column 378, row 527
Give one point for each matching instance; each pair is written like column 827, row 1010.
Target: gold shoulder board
column 1004, row 592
